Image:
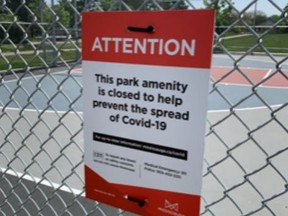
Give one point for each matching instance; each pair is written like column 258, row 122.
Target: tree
column 135, row 4
column 168, row 4
column 223, row 12
column 260, row 18
column 285, row 21
column 286, row 9
column 23, row 12
column 22, row 9
column 71, row 9
column 62, row 14
column 106, row 4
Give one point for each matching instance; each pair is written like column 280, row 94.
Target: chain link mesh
column 41, row 141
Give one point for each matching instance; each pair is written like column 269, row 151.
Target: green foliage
column 135, row 4
column 251, row 19
column 23, row 10
column 16, row 34
column 6, row 17
column 63, row 15
column 106, row 4
column 71, row 10
column 223, row 12
column 168, row 4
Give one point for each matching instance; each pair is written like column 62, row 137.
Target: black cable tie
column 149, row 29
column 140, row 202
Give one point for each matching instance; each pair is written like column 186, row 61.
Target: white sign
column 144, row 122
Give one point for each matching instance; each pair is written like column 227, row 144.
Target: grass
column 275, row 43
column 28, row 57
column 32, row 60
column 28, row 47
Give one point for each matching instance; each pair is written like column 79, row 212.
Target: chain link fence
column 41, row 142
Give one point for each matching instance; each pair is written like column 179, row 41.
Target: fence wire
column 41, row 141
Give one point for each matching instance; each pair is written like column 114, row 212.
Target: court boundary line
column 247, row 85
column 246, row 109
column 44, row 182
column 267, row 74
column 63, row 187
column 40, row 110
column 81, row 112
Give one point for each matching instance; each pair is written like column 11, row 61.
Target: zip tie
column 140, row 202
column 149, row 29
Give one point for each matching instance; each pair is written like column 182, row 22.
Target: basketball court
column 35, row 102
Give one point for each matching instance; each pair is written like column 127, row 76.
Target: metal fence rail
column 41, row 142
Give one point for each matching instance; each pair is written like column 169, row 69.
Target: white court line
column 64, row 188
column 267, row 74
column 38, row 110
column 77, row 70
column 232, row 67
column 43, row 182
column 245, row 109
column 209, row 111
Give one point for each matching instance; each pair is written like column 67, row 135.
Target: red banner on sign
column 128, row 197
column 178, row 38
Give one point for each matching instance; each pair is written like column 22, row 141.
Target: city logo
column 171, row 206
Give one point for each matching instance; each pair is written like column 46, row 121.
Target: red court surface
column 254, row 76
